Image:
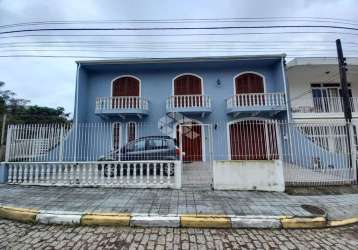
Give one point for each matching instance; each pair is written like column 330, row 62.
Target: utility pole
column 344, row 85
column 346, row 104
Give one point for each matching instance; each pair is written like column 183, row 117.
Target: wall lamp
column 218, row 82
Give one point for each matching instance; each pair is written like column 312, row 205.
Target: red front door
column 191, row 141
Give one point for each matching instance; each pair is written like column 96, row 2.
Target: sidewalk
column 175, row 202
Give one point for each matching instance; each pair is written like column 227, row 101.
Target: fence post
column 177, row 172
column 279, row 140
column 353, row 153
column 8, row 143
column 61, row 145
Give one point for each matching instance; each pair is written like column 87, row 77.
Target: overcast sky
column 51, row 81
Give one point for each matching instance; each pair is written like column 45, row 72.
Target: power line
column 181, row 28
column 216, row 43
column 197, row 20
column 182, row 34
column 252, row 49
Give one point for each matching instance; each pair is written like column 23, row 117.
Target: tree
column 18, row 110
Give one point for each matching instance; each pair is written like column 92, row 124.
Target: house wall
column 249, row 175
column 156, row 86
column 299, row 82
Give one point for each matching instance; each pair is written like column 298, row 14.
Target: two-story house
column 316, row 96
column 220, row 102
column 224, row 122
column 315, row 92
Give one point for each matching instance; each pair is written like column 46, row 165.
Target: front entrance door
column 191, row 141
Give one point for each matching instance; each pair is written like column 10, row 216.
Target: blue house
column 223, row 122
column 145, row 97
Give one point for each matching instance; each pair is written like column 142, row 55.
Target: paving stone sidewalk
column 164, row 202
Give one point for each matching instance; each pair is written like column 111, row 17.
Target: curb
column 20, row 214
column 205, row 221
column 105, row 219
column 173, row 221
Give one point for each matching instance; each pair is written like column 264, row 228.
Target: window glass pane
column 131, row 131
column 155, row 143
column 116, row 135
column 139, row 145
column 316, row 93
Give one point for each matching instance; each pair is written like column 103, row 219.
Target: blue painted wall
column 156, row 85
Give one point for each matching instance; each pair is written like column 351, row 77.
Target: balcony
column 189, row 104
column 122, row 106
column 323, row 106
column 255, row 104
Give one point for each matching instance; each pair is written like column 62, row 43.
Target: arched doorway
column 191, row 141
column 125, row 86
column 187, row 90
column 247, row 83
column 252, row 140
column 188, row 84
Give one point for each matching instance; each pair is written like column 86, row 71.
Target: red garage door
column 253, row 140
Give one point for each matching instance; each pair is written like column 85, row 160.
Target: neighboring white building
column 314, row 89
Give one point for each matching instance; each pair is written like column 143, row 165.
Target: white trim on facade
column 249, row 72
column 268, row 149
column 133, row 76
column 191, row 74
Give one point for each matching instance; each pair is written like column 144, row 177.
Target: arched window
column 249, row 83
column 126, row 86
column 116, row 135
column 131, row 131
column 188, row 84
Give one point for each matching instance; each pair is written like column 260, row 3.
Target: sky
column 51, row 81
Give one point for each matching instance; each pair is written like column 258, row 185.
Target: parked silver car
column 150, row 148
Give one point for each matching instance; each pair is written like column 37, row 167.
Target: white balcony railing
column 256, row 99
column 121, row 102
column 322, row 105
column 188, row 101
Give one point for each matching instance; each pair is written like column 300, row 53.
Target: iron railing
column 322, row 105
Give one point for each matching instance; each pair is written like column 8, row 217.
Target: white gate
column 196, row 144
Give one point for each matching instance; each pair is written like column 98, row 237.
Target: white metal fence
column 322, row 104
column 312, row 153
column 157, row 174
column 320, row 154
